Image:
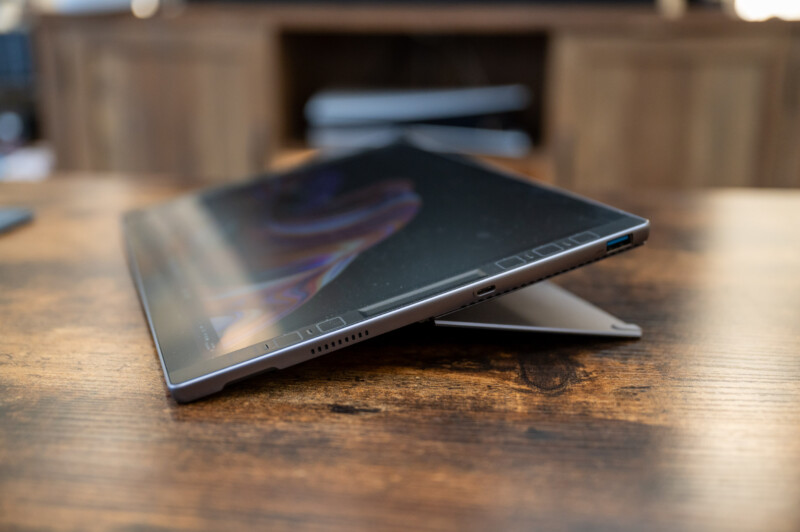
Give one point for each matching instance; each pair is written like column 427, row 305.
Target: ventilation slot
column 340, row 342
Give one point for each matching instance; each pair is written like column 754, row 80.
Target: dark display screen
column 244, row 264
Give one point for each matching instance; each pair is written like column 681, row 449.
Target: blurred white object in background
column 144, row 8
column 11, row 14
column 30, row 163
column 139, row 8
column 69, row 7
column 758, row 10
column 339, row 108
column 476, row 120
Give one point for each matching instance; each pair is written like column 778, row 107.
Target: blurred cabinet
column 622, row 96
column 156, row 97
column 673, row 110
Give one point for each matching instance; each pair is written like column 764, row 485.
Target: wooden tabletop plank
column 694, row 427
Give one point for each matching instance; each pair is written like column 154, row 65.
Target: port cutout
column 485, row 291
column 618, row 242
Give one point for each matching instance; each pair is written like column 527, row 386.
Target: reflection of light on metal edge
column 757, row 10
column 144, row 8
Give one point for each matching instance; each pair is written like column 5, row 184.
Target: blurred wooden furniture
column 677, row 109
column 621, row 95
column 694, row 427
column 189, row 100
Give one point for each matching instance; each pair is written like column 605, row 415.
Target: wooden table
column 694, row 427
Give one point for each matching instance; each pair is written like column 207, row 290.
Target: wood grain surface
column 694, row 427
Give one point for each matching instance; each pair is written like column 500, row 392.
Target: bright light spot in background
column 755, row 10
column 144, row 8
column 10, row 15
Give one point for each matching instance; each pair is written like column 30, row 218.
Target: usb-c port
column 485, row 291
column 618, row 242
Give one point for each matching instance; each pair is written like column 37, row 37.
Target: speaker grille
column 341, row 341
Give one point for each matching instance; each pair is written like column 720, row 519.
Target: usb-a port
column 618, row 242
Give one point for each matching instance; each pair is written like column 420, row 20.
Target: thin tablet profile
column 267, row 273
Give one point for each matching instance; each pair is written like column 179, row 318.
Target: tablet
column 268, row 273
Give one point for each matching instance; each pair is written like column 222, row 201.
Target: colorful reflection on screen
column 296, row 249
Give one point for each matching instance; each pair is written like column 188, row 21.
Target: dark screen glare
column 243, row 264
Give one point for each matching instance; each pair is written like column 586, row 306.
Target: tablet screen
column 247, row 263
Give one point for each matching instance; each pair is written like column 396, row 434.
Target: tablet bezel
column 504, row 275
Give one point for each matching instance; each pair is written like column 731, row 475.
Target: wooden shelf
column 214, row 92
column 453, row 18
